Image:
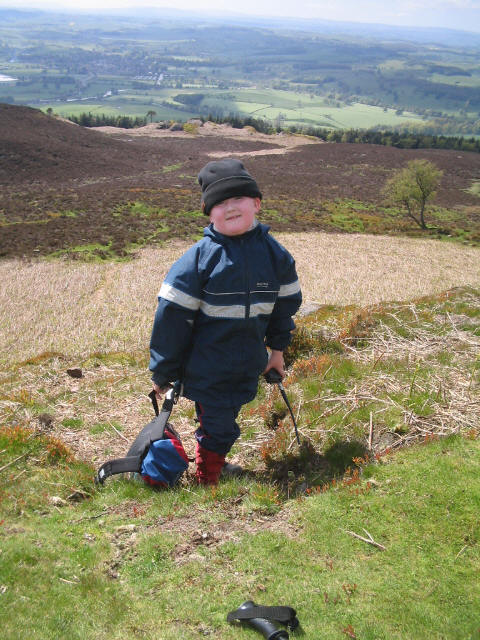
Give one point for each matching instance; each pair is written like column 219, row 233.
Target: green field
column 286, row 107
column 298, row 109
column 120, row 106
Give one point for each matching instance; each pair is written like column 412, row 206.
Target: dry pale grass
column 364, row 270
column 77, row 308
column 451, row 390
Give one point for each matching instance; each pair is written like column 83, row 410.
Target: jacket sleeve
column 178, row 302
column 281, row 324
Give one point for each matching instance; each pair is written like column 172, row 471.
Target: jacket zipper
column 247, row 280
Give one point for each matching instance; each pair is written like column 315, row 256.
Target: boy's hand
column 159, row 391
column 276, row 361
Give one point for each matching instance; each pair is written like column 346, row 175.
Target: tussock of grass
column 475, row 188
column 404, row 372
column 38, row 466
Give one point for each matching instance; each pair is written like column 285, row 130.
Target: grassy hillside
column 364, row 382
column 364, row 537
column 126, row 561
column 369, row 528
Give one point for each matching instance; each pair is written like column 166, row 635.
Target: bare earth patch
column 197, row 531
column 285, row 141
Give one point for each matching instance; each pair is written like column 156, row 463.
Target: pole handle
column 273, row 376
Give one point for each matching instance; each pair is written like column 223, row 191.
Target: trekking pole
column 273, row 376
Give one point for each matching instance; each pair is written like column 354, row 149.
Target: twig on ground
column 368, row 540
column 5, row 466
column 19, row 474
column 378, row 358
column 120, row 434
column 70, row 581
column 99, row 515
column 461, row 551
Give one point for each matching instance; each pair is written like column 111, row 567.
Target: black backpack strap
column 285, row 615
column 131, row 464
column 154, row 430
column 171, row 398
column 153, row 397
column 151, row 432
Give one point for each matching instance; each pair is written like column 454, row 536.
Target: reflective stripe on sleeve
column 289, row 289
column 179, row 297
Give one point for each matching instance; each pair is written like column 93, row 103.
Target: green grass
column 108, row 566
column 475, row 188
column 299, row 108
column 431, row 545
column 142, row 209
column 126, row 561
column 72, row 423
column 91, row 252
column 354, row 216
column 101, row 427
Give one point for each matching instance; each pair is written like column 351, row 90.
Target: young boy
column 222, row 303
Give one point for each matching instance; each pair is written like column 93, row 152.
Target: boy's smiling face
column 235, row 216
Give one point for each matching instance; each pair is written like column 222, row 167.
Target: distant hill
column 455, row 35
column 35, row 147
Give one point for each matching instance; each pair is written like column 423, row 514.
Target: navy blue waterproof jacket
column 221, row 303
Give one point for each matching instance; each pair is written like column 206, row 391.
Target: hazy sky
column 456, row 14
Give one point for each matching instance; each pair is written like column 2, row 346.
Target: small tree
column 150, row 114
column 413, row 186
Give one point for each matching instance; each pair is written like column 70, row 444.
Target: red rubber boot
column 209, row 465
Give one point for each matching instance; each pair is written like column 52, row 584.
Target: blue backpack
column 157, row 453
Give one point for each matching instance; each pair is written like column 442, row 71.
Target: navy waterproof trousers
column 218, row 428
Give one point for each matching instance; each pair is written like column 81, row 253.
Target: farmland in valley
column 181, row 67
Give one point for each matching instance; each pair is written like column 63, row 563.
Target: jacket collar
column 257, row 229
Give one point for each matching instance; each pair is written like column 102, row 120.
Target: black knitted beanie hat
column 222, row 179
